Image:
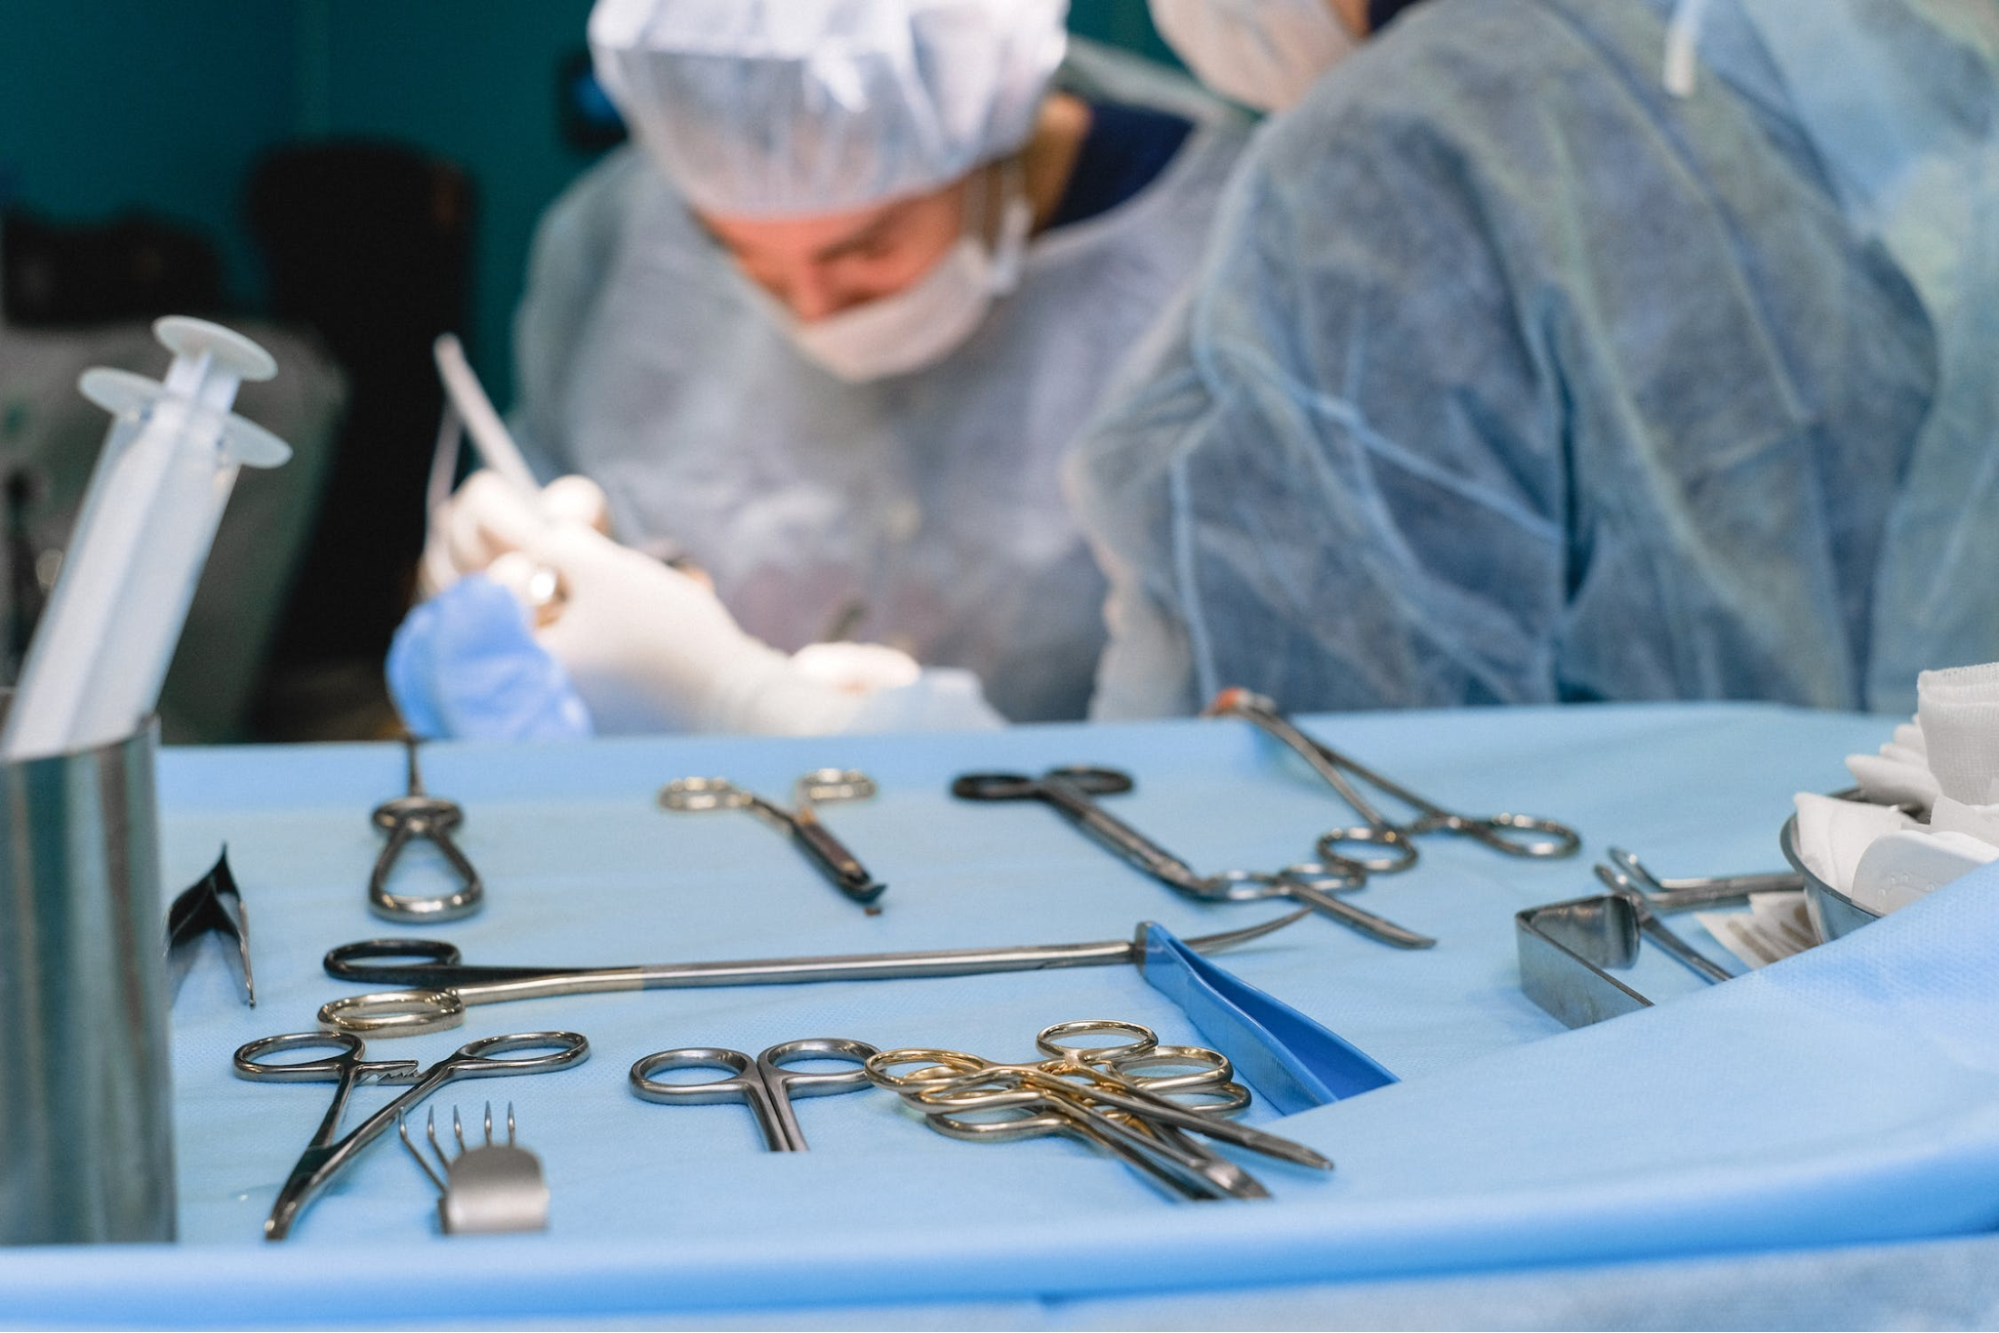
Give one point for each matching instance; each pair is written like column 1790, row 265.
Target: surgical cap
column 776, row 108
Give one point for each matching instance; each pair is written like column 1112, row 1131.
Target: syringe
column 94, row 669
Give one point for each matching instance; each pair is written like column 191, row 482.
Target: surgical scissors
column 1071, row 789
column 448, row 984
column 762, row 1083
column 1099, row 1094
column 1513, row 835
column 421, row 815
column 325, row 1156
column 840, row 866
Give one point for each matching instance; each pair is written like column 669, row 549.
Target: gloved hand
column 487, row 518
column 465, row 664
column 650, row 649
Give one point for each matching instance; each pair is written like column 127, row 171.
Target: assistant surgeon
column 1559, row 350
column 829, row 329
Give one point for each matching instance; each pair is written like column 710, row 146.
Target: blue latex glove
column 465, row 666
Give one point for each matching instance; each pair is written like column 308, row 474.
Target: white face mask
column 1262, row 53
column 924, row 323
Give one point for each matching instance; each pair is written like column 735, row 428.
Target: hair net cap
column 773, row 108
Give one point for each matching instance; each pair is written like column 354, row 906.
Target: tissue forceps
column 1071, row 789
column 840, row 866
column 448, row 984
column 325, row 1155
column 1513, row 835
column 762, row 1083
column 418, row 814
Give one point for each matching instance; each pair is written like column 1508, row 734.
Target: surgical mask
column 1262, row 53
column 921, row 325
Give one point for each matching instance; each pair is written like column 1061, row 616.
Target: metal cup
column 86, row 1127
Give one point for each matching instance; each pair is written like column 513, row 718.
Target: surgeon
column 827, row 331
column 1558, row 350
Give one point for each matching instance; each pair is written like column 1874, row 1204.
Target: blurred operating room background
column 343, row 179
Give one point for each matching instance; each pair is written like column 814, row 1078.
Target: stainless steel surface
column 1565, row 949
column 1513, row 835
column 1071, row 791
column 842, row 869
column 212, row 906
column 1833, row 914
column 327, row 1154
column 447, row 985
column 761, row 1083
column 1621, row 871
column 414, row 815
column 489, row 1187
column 86, row 1152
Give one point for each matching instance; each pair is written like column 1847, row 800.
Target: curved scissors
column 763, row 1084
column 325, row 1156
column 1513, row 835
column 407, row 818
column 1071, row 789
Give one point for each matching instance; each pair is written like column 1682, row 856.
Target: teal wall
column 114, row 104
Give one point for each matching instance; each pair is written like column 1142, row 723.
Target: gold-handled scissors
column 1115, row 1096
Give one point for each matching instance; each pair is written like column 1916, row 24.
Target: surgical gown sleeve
column 1510, row 380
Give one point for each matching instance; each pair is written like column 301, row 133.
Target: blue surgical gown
column 1512, row 378
column 925, row 511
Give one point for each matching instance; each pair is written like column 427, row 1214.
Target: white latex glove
column 488, row 518
column 650, row 649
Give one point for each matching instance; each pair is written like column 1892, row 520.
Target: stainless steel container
column 86, row 1129
column 1832, row 913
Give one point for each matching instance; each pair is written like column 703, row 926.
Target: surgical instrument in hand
column 449, row 985
column 489, row 1187
column 840, row 866
column 212, row 906
column 1070, row 790
column 421, row 815
column 762, row 1083
column 326, row 1155
column 1514, row 835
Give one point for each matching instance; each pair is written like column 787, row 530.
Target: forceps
column 1070, row 791
column 325, row 1156
column 421, row 815
column 1625, row 873
column 449, row 984
column 1514, row 835
column 840, row 866
column 763, row 1084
